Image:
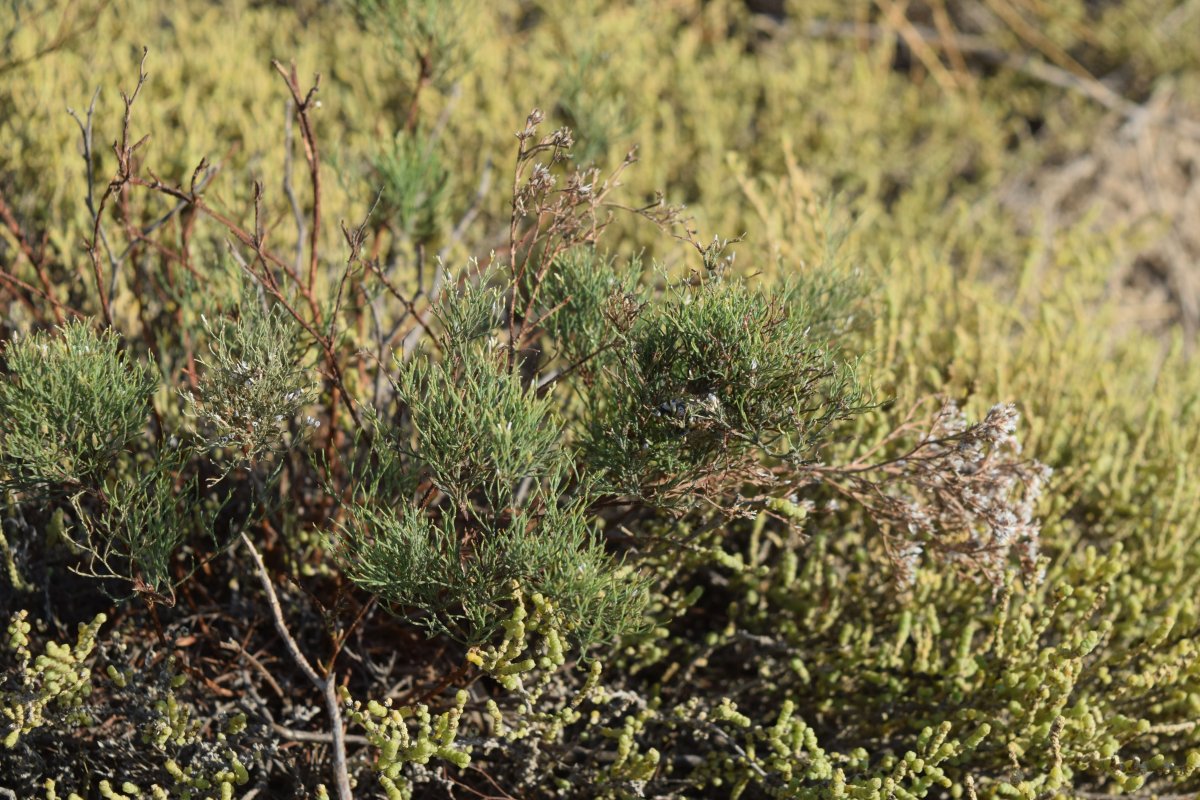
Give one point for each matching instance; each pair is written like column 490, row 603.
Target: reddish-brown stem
column 26, row 249
column 425, row 63
column 303, row 105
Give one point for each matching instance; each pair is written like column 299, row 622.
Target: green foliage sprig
column 478, row 429
column 412, row 186
column 712, row 378
column 462, row 580
column 70, row 405
column 253, row 385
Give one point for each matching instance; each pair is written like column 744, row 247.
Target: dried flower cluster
column 960, row 491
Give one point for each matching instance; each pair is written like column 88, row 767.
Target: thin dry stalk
column 327, row 686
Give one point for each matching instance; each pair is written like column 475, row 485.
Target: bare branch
column 326, row 686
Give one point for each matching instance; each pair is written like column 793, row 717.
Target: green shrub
column 712, row 377
column 252, row 385
column 70, row 406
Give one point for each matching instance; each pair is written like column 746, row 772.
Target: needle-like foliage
column 71, row 402
column 478, row 431
column 252, row 385
column 463, row 582
column 712, row 377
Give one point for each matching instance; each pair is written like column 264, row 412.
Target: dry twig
column 326, row 686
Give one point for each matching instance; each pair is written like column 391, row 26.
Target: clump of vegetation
column 251, row 385
column 71, row 405
column 350, row 475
